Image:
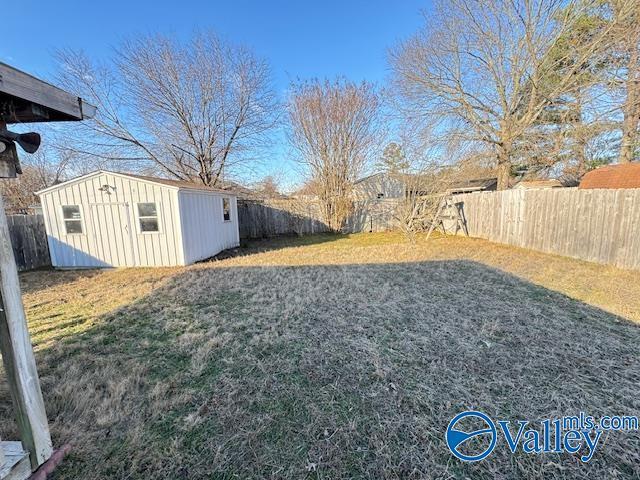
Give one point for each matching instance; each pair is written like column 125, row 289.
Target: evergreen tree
column 393, row 159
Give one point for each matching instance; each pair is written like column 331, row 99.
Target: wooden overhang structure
column 24, row 99
column 27, row 99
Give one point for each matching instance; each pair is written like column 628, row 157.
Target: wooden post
column 17, row 355
column 2, row 458
column 27, row 100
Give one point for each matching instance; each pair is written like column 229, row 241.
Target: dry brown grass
column 612, row 289
column 332, row 357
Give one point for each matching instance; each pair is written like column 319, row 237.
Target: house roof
column 407, row 178
column 308, row 189
column 394, row 175
column 473, row 185
column 178, row 184
column 246, row 193
column 613, row 176
column 368, row 177
column 533, row 184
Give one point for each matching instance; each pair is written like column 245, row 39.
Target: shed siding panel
column 204, row 231
column 51, row 226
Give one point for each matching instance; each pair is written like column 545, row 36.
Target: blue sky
column 300, row 39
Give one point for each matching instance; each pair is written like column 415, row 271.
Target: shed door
column 112, row 237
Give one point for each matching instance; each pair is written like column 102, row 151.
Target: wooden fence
column 596, row 225
column 286, row 217
column 29, row 241
column 279, row 217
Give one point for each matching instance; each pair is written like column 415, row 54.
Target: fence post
column 18, row 358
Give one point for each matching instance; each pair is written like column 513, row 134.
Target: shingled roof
column 626, row 175
column 474, row 185
column 173, row 183
column 538, row 184
column 162, row 181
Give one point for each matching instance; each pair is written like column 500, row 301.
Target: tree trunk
column 504, row 165
column 580, row 148
column 631, row 122
column 579, row 137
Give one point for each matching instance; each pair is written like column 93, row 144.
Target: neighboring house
column 306, row 193
column 304, row 197
column 251, row 194
column 626, row 175
column 396, row 185
column 379, row 186
column 109, row 219
column 474, row 185
column 538, row 184
column 240, row 191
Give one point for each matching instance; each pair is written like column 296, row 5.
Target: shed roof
column 178, row 184
column 175, row 183
column 625, row 175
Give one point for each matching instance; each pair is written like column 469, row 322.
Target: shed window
column 226, row 209
column 72, row 218
column 148, row 217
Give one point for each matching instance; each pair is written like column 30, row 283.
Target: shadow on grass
column 252, row 246
column 256, row 245
column 35, row 280
column 346, row 371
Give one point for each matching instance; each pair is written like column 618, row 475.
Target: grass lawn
column 332, row 357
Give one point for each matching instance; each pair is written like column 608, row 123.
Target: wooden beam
column 24, row 87
column 18, row 358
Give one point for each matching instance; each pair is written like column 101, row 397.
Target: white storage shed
column 109, row 219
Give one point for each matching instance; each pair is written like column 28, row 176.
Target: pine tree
column 393, row 159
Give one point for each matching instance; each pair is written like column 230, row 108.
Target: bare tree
column 43, row 169
column 333, row 128
column 476, row 69
column 426, row 177
column 195, row 110
column 626, row 36
column 268, row 187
